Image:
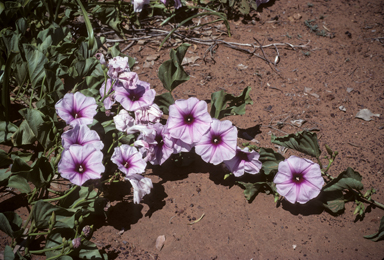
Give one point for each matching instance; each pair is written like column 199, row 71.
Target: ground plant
column 75, row 118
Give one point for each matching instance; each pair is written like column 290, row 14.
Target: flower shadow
column 312, row 207
column 124, row 214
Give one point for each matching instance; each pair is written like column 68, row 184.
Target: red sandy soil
column 232, row 228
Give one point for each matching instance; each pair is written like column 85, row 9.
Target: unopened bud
column 76, row 242
column 86, row 231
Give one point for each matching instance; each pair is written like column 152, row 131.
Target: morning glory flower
column 128, row 160
column 133, row 99
column 76, row 109
column 110, row 99
column 139, row 4
column 244, row 161
column 177, row 145
column 82, row 135
column 188, row 120
column 178, row 4
column 123, row 121
column 116, row 66
column 81, row 163
column 101, row 58
column 141, row 186
column 148, row 115
column 130, row 79
column 298, row 180
column 219, row 143
column 161, row 152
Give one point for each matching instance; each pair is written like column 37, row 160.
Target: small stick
column 197, row 220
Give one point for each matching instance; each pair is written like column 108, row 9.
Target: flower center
column 126, row 165
column 75, row 114
column 159, row 140
column 189, row 119
column 80, row 169
column 216, row 140
column 298, row 178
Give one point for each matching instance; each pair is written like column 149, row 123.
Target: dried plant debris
column 366, row 114
column 298, row 122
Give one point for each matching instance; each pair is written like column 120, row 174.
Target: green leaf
column 244, row 7
column 348, row 179
column 88, row 25
column 8, row 253
column 82, row 197
column 379, row 235
column 5, row 161
column 55, row 238
column 36, row 60
column 4, row 174
column 20, row 166
column 224, row 104
column 305, row 142
column 5, row 93
column 250, row 190
column 42, row 172
column 7, row 129
column 24, row 135
column 108, row 126
column 22, row 155
column 89, row 250
column 270, row 160
column 164, row 101
column 171, row 73
column 333, row 201
column 41, row 130
column 10, row 223
column 42, row 212
column 19, row 183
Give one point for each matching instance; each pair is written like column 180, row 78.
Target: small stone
column 297, row 16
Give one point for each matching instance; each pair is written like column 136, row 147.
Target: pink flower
column 244, row 161
column 101, row 58
column 139, row 4
column 177, row 145
column 178, row 4
column 219, row 143
column 148, row 115
column 110, row 99
column 129, row 80
column 82, row 135
column 133, row 99
column 81, row 163
column 161, row 152
column 298, row 180
column 128, row 160
column 123, row 121
column 141, row 186
column 116, row 66
column 76, row 109
column 188, row 120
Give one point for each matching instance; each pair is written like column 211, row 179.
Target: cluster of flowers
column 189, row 125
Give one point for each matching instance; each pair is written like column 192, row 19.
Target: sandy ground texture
column 343, row 69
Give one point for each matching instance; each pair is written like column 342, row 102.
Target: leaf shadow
column 249, row 133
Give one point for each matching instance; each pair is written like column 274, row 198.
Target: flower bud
column 86, row 231
column 76, row 242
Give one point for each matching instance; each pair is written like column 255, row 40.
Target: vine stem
column 45, row 250
column 61, row 197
